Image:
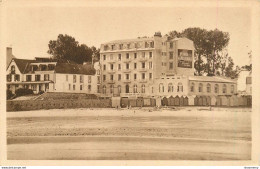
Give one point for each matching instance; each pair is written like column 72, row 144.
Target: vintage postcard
column 130, row 82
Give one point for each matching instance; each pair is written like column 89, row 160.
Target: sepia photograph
column 124, row 81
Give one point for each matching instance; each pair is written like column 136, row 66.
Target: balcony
column 143, row 59
column 127, row 60
column 126, row 70
column 143, row 70
column 143, row 81
column 111, row 61
column 111, row 71
column 127, row 81
column 111, row 81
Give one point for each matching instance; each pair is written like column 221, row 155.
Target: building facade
column 156, row 66
column 51, row 76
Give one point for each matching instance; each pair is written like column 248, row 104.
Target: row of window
column 208, row 88
column 37, row 77
column 129, row 45
column 170, row 87
column 81, row 79
column 127, row 77
column 170, row 65
column 127, row 66
column 9, row 77
column 73, row 87
column 170, row 54
column 127, row 56
column 171, row 44
column 127, row 87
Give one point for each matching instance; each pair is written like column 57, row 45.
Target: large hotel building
column 156, row 66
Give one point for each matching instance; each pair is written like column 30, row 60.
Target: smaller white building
column 46, row 75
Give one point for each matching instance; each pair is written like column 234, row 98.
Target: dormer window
column 113, row 47
column 120, row 46
column 128, row 46
column 13, row 69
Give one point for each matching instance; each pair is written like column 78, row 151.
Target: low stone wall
column 25, row 105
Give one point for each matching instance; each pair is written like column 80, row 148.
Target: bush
column 9, row 94
column 23, row 92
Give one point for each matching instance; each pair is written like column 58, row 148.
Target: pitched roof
column 69, row 68
column 129, row 40
column 22, row 63
column 212, row 79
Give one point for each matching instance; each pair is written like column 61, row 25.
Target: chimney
column 158, row 34
column 9, row 55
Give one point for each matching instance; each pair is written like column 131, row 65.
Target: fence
column 24, row 105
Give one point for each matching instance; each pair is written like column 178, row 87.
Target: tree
column 248, row 67
column 67, row 49
column 230, row 71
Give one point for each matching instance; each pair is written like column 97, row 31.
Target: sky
column 30, row 28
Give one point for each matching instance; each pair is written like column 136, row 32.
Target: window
column 46, row 77
column 89, row 79
column 28, row 78
column 200, row 87
column 150, row 65
column 248, row 80
column 104, row 89
column 143, row 88
column 151, row 44
column 104, row 57
column 146, row 45
column 119, row 66
column 111, row 89
column 98, row 72
column 111, row 77
column 80, row 87
column 224, row 88
column 81, row 79
column 69, row 87
column 74, row 78
column 74, row 87
column 9, row 78
column 119, row 89
column 150, row 55
column 171, row 55
column 111, row 66
column 127, row 56
column 170, row 87
column 98, row 79
column 135, row 55
column 67, row 77
column 180, row 87
column 120, row 46
column 104, row 77
column 111, row 57
column 105, row 47
column 34, row 87
column 150, row 75
column 119, row 57
column 135, row 76
column 17, row 78
column 127, row 65
column 12, row 69
column 143, row 76
column 104, row 67
column 171, row 45
column 135, row 65
column 43, row 67
column 143, row 54
column 216, row 88
column 171, row 65
column 208, row 88
column 37, row 77
column 161, row 88
column 128, row 45
column 135, row 88
column 112, row 47
column 98, row 88
column 192, row 87
column 119, row 77
column 89, row 87
column 143, row 65
column 232, row 89
column 46, row 86
column 127, row 76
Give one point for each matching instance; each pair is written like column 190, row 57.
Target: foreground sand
column 191, row 133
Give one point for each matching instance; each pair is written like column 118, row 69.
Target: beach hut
column 132, row 102
column 191, row 100
column 140, row 102
column 213, row 101
column 115, row 101
column 181, row 101
column 147, row 102
column 164, row 101
column 158, row 102
column 171, row 101
column 124, row 102
column 153, row 102
column 177, row 101
column 186, row 101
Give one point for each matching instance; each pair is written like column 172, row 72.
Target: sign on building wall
column 184, row 58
